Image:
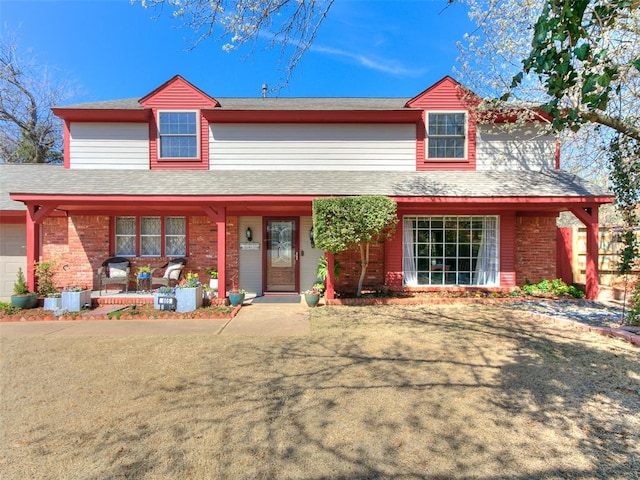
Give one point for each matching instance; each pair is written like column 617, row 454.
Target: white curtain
column 409, row 268
column 487, row 266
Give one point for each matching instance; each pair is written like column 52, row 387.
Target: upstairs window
column 178, row 134
column 446, row 135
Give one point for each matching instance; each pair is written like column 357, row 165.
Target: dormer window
column 178, row 135
column 446, row 135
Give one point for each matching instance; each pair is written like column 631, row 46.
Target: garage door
column 12, row 256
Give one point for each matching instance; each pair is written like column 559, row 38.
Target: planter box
column 75, row 301
column 188, row 299
column 53, row 303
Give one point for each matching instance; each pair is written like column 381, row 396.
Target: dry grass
column 375, row 392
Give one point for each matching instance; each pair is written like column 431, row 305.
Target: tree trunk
column 364, row 262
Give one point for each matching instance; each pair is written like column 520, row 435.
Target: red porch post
column 589, row 216
column 33, row 248
column 221, row 228
column 35, row 215
column 330, row 285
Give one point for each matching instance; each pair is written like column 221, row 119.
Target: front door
column 281, row 254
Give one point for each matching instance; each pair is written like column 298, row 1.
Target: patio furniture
column 169, row 274
column 114, row 271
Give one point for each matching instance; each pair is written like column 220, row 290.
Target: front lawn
column 411, row 392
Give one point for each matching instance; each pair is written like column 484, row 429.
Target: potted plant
column 213, row 278
column 22, row 297
column 236, row 296
column 76, row 298
column 189, row 293
column 46, row 289
column 144, row 271
column 143, row 278
column 53, row 301
column 312, row 296
column 164, row 298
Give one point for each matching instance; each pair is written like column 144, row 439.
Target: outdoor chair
column 169, row 274
column 114, row 271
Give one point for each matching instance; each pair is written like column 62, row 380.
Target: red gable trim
column 102, row 115
column 150, row 99
column 465, row 95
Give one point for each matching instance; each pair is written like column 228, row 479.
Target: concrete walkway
column 262, row 316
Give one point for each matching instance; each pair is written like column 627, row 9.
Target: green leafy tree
column 343, row 223
column 586, row 54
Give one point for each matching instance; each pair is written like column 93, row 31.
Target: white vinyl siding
column 250, row 260
column 497, row 149
column 309, row 256
column 387, row 147
column 123, row 146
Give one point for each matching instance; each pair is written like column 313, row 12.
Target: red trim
column 102, row 115
column 202, row 200
column 67, row 143
column 557, row 155
column 13, row 217
column 312, row 116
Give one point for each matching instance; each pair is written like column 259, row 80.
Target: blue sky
column 111, row 49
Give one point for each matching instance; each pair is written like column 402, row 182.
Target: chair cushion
column 118, row 270
column 173, row 270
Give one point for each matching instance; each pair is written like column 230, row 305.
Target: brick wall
column 350, row 269
column 79, row 245
column 535, row 258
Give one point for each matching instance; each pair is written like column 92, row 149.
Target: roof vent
column 265, row 87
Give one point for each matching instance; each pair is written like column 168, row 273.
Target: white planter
column 75, row 301
column 188, row 299
column 213, row 284
column 52, row 303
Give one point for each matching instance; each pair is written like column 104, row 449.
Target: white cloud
column 381, row 65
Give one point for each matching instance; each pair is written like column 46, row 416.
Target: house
column 229, row 183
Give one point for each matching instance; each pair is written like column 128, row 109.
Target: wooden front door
column 281, row 255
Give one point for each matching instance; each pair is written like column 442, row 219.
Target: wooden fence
column 572, row 248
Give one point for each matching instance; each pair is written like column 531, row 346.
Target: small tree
column 353, row 222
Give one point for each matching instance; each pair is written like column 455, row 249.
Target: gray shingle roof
column 270, row 103
column 56, row 180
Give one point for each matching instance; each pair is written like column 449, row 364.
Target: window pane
column 451, row 252
column 125, row 241
column 175, row 236
column 150, row 246
column 178, row 135
column 446, row 135
column 150, row 226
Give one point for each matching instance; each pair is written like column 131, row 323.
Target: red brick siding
column 535, row 249
column 350, row 269
column 79, row 245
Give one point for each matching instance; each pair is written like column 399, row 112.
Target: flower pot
column 188, row 299
column 213, row 284
column 52, row 303
column 144, row 275
column 27, row 300
column 236, row 299
column 76, row 301
column 312, row 299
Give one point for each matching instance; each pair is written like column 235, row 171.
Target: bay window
column 450, row 250
column 150, row 236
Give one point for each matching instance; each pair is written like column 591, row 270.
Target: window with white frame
column 446, row 135
column 450, row 250
column 150, row 236
column 178, row 134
